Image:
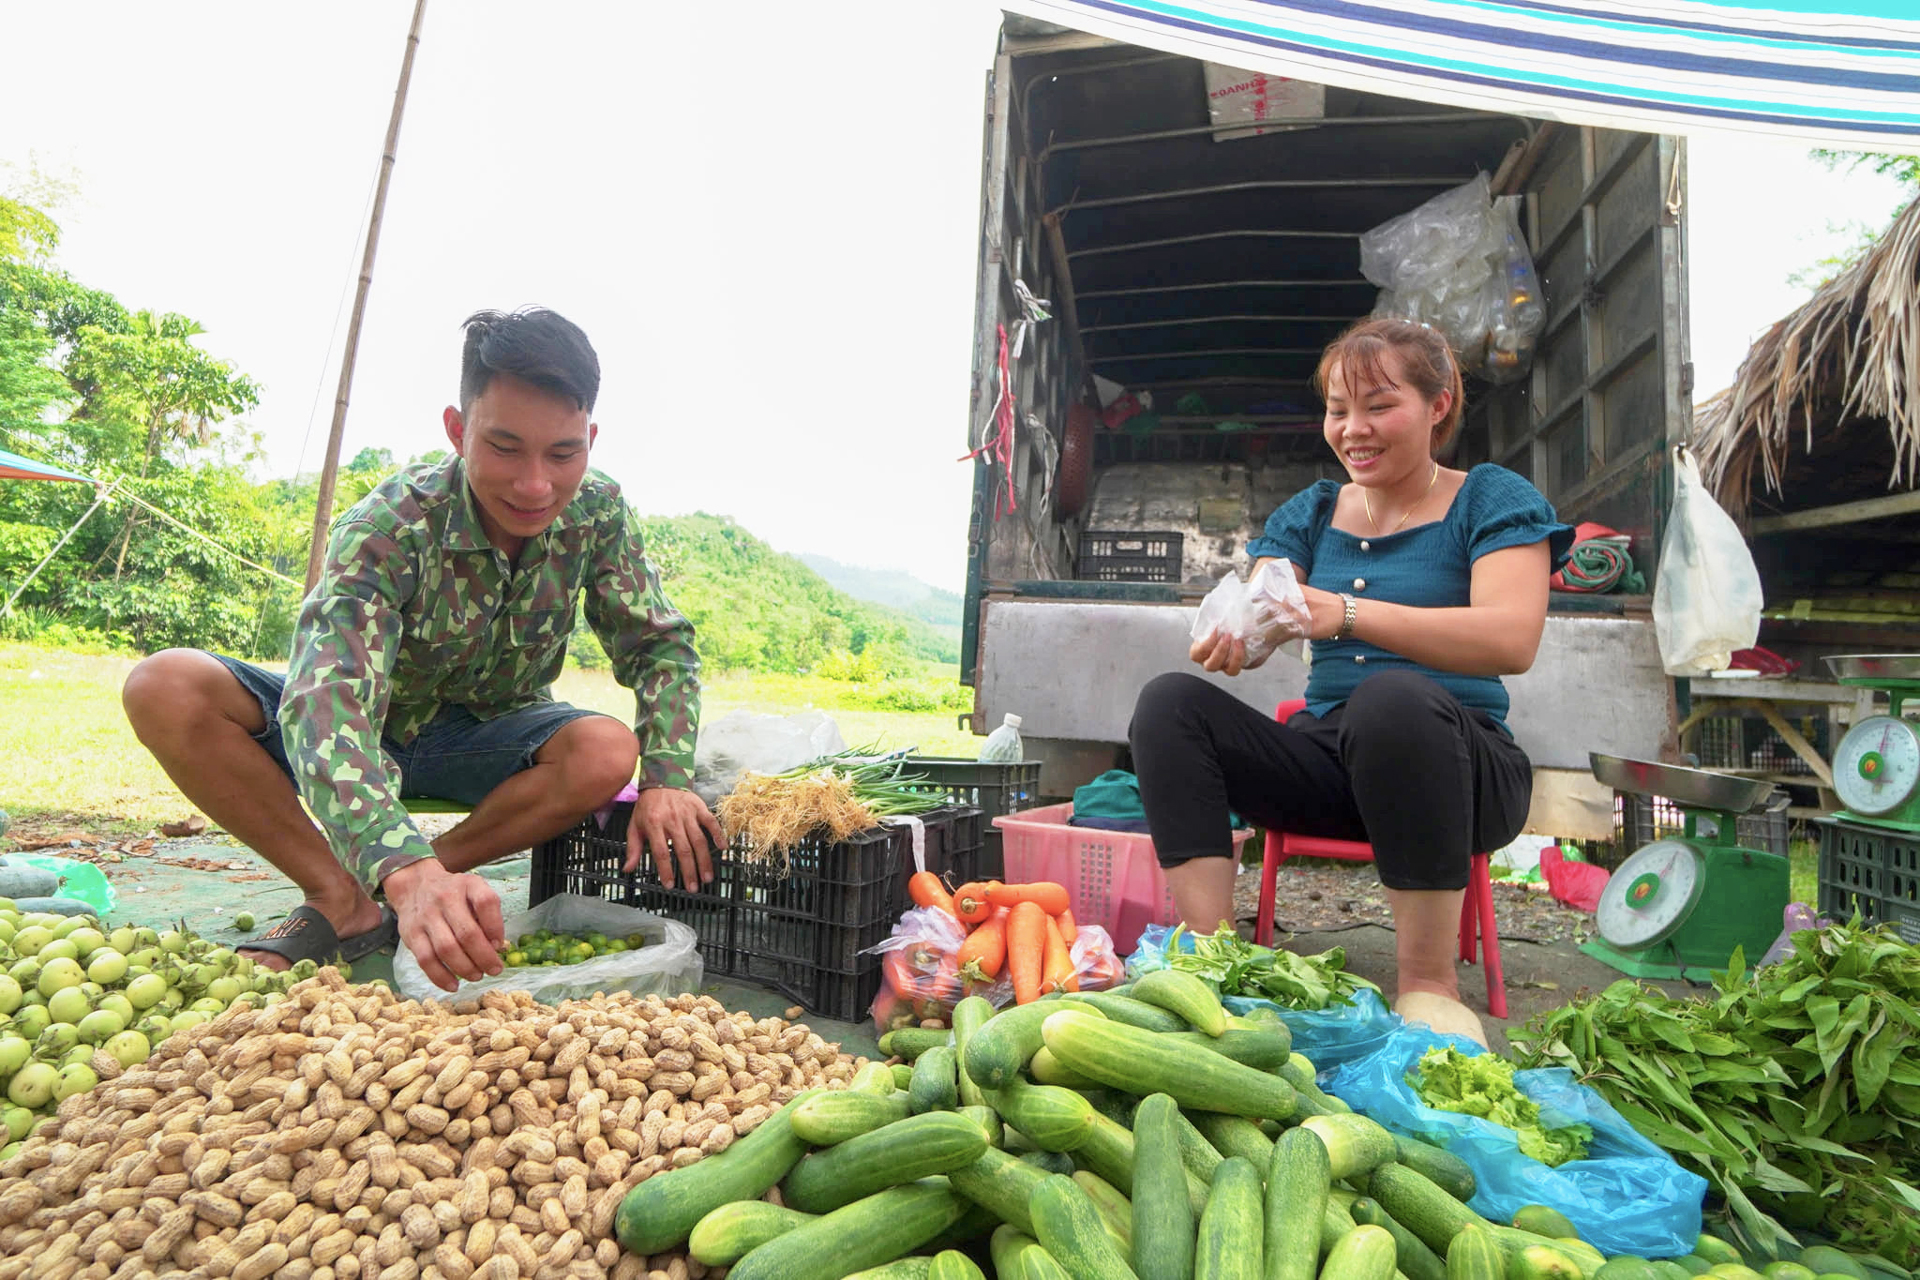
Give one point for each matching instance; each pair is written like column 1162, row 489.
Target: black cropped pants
column 1402, row 765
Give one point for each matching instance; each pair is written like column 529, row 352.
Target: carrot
column 984, row 952
column 1068, row 929
column 1051, row 897
column 1056, row 968
column 971, row 901
column 1026, row 950
column 926, row 890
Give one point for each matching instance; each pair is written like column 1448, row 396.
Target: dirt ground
column 204, row 877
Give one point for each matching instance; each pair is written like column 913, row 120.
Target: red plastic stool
column 1478, row 933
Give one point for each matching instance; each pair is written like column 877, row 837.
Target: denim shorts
column 456, row 756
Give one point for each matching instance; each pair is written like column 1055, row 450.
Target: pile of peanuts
column 345, row 1134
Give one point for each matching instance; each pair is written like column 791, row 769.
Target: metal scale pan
column 1691, row 788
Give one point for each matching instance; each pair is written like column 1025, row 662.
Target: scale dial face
column 1651, row 895
column 1876, row 769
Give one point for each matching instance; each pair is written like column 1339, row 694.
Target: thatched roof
column 1846, row 365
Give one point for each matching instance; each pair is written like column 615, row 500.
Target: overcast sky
column 768, row 230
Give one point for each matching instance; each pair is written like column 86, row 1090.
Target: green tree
column 1902, row 169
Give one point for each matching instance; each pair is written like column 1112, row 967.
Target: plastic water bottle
column 1003, row 744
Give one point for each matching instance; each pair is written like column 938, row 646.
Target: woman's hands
column 1327, row 609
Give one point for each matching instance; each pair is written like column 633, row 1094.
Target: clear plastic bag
column 667, row 965
column 1267, row 612
column 743, row 741
column 1707, row 600
column 919, row 977
column 1627, row 1196
column 1515, row 310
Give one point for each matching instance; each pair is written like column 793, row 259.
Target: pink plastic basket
column 1113, row 877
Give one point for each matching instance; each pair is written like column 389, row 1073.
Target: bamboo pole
column 330, row 469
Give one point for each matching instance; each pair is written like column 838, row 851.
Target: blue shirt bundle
column 1429, row 565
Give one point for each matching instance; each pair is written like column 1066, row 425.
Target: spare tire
column 1075, row 473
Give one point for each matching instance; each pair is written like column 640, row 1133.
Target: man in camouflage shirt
column 421, row 665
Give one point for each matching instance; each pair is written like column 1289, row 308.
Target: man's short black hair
column 533, row 344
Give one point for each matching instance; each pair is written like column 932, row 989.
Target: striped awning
column 1837, row 73
column 15, row 467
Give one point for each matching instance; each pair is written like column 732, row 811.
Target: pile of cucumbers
column 1141, row 1133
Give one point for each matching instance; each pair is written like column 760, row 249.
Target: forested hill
column 761, row 609
column 895, row 589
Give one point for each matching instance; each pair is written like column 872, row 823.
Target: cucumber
column 951, row 1264
column 999, row 1051
column 1135, row 1013
column 1299, row 1072
column 661, row 1212
column 1591, row 1259
column 1052, row 1118
column 1296, row 1206
column 1115, row 1209
column 1142, row 1062
column 1037, row 1264
column 1355, row 1145
column 1199, row 1155
column 1474, row 1255
column 1542, row 1221
column 1630, row 1268
column 975, row 1224
column 1443, row 1168
column 1514, row 1242
column 1714, row 1250
column 1364, row 1253
column 1776, row 1270
column 875, row 1077
column 901, row 1074
column 1824, row 1259
column 1184, row 994
column 1234, row 1136
column 1109, row 1152
column 1069, row 1228
column 1671, row 1270
column 969, row 1016
column 1543, row 1262
column 1420, row 1206
column 730, row 1232
column 873, row 1230
column 1049, row 1161
column 1231, row 1235
column 1005, row 1247
column 989, row 1121
column 901, row 1152
column 935, row 1084
column 829, row 1118
column 901, row 1269
column 1001, row 1183
column 1417, row 1262
column 1164, row 1239
column 1692, row 1263
column 911, row 1042
column 1046, row 1069
column 1250, row 1046
column 1335, row 1224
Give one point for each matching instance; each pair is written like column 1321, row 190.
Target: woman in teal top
column 1425, row 585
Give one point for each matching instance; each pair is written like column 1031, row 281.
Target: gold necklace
column 1366, row 500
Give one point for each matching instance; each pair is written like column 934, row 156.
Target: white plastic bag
column 1266, row 613
column 743, row 741
column 1706, row 601
column 668, row 965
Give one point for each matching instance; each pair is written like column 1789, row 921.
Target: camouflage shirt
column 416, row 610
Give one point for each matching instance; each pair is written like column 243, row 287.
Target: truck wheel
column 1076, row 464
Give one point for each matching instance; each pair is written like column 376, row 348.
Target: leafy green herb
column 1482, row 1085
column 1795, row 1089
column 1237, row 967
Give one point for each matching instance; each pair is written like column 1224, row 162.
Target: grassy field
column 70, row 757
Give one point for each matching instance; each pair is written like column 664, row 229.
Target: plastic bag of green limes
column 570, row 947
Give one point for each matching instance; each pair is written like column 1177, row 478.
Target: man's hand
column 451, row 923
column 678, row 827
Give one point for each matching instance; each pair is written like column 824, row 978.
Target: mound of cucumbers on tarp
column 1022, row 1141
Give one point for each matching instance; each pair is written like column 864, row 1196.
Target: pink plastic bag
column 1578, row 884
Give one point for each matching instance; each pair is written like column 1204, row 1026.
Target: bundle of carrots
column 1027, row 930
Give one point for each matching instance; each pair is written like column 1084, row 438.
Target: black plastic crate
column 802, row 934
column 1644, row 819
column 951, row 849
column 1116, row 556
column 1872, row 871
column 995, row 788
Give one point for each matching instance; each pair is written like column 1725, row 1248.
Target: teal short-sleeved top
column 1429, row 566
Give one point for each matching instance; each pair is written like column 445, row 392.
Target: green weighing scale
column 1876, row 767
column 1678, row 906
